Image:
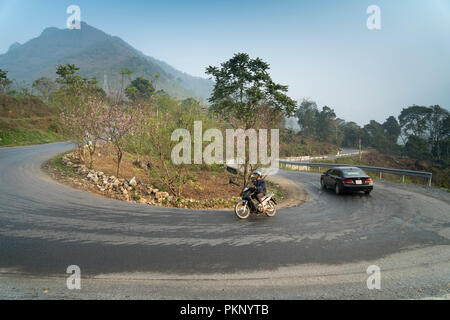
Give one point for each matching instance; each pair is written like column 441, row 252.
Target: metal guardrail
column 381, row 170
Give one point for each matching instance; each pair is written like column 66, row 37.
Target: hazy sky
column 321, row 49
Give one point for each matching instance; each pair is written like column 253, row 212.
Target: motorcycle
column 268, row 205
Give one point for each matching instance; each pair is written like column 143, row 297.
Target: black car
column 346, row 179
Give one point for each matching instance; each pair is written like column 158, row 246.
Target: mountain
column 15, row 45
column 96, row 54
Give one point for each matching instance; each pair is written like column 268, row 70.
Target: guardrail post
column 403, row 179
column 381, row 175
column 429, row 181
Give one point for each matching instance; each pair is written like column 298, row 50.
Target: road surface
column 321, row 249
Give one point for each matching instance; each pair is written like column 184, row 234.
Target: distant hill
column 96, row 54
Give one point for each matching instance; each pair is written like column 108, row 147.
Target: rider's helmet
column 257, row 173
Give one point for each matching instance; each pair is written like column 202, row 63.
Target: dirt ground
column 204, row 184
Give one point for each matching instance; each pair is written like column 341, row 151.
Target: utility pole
column 360, row 151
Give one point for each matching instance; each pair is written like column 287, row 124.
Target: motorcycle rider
column 258, row 191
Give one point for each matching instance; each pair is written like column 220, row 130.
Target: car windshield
column 353, row 172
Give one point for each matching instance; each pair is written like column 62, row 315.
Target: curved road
column 318, row 250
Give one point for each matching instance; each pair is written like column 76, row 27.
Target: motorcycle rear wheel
column 242, row 210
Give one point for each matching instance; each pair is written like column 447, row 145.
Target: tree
column 374, row 135
column 245, row 95
column 139, row 89
column 170, row 115
column 352, row 135
column 339, row 125
column 84, row 123
column 80, row 105
column 325, row 125
column 68, row 76
column 119, row 122
column 438, row 120
column 417, row 148
column 392, row 129
column 444, row 146
column 4, row 81
column 70, row 79
column 307, row 114
column 413, row 120
column 45, row 87
column 155, row 77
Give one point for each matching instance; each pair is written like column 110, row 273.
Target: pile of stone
column 111, row 184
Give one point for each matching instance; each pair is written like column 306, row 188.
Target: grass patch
column 275, row 189
column 62, row 168
column 28, row 131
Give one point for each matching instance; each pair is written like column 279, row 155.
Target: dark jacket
column 260, row 186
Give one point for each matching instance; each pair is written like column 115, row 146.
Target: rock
column 124, row 192
column 143, row 200
column 133, row 182
column 139, row 164
column 100, row 174
column 161, row 195
column 92, row 177
column 155, row 191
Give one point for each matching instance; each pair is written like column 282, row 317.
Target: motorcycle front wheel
column 271, row 209
column 242, row 210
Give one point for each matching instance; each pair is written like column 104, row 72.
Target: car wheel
column 322, row 184
column 367, row 191
column 337, row 188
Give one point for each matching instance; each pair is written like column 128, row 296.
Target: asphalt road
column 318, row 250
